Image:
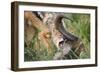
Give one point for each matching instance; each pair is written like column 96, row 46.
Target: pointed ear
column 68, row 18
column 60, row 17
column 67, row 35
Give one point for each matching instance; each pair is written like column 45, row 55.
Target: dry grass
column 80, row 26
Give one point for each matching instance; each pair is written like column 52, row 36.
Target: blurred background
column 36, row 51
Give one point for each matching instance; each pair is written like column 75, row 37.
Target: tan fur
column 43, row 35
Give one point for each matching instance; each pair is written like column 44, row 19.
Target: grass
column 36, row 51
column 80, row 26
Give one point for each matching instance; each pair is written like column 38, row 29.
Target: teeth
column 61, row 44
column 64, row 49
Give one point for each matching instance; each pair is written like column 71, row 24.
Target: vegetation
column 80, row 26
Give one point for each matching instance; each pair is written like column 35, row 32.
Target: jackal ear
column 61, row 16
column 67, row 35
